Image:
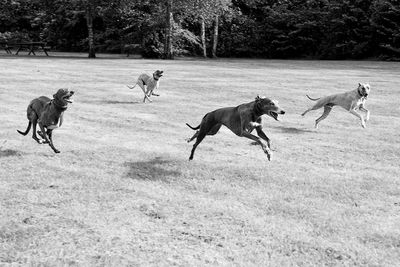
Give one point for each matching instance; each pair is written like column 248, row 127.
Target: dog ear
column 258, row 98
column 359, row 84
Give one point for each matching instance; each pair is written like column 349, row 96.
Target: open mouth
column 68, row 99
column 274, row 115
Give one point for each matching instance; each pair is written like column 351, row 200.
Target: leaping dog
column 351, row 101
column 241, row 120
column 48, row 113
column 148, row 84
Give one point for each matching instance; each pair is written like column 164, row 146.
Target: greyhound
column 48, row 113
column 148, row 84
column 351, row 101
column 241, row 120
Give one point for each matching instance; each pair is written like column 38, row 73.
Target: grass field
column 122, row 191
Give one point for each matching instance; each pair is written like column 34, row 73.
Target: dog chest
column 54, row 125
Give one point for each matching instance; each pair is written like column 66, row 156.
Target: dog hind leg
column 47, row 140
column 207, row 127
column 327, row 110
column 200, row 138
column 34, row 133
column 214, row 130
column 193, row 137
column 320, row 103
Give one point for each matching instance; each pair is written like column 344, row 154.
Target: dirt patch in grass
column 154, row 169
column 9, row 153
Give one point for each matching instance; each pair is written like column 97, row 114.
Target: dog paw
column 363, row 124
column 269, row 154
column 56, row 151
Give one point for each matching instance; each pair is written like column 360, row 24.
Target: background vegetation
column 326, row 29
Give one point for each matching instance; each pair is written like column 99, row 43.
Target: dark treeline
column 325, row 29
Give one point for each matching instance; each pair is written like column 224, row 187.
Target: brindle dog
column 48, row 113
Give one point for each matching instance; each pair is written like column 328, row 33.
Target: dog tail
column 131, row 87
column 193, row 128
column 27, row 129
column 313, row 99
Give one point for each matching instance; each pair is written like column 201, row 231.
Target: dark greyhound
column 241, row 120
column 48, row 113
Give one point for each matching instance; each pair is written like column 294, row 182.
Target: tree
column 206, row 12
column 386, row 23
column 215, row 37
column 90, row 6
column 168, row 53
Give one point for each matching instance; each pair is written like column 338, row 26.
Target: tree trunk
column 203, row 36
column 89, row 22
column 215, row 37
column 168, row 54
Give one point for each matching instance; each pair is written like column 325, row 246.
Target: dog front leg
column 153, row 90
column 254, row 124
column 257, row 139
column 261, row 134
column 362, row 108
column 352, row 111
column 47, row 139
column 144, row 89
column 50, row 135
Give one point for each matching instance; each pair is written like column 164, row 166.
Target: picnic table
column 31, row 46
column 5, row 46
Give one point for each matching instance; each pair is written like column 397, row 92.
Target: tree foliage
column 330, row 29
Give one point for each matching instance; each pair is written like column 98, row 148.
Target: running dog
column 48, row 113
column 148, row 84
column 241, row 120
column 351, row 101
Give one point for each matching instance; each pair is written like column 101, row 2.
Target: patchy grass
column 122, row 191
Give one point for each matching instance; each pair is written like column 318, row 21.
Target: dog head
column 269, row 107
column 157, row 74
column 63, row 97
column 363, row 89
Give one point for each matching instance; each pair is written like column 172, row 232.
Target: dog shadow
column 112, row 102
column 9, row 153
column 156, row 169
column 293, row 130
column 115, row 102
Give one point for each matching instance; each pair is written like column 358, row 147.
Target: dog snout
column 283, row 112
column 71, row 92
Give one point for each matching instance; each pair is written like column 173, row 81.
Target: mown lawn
column 122, row 191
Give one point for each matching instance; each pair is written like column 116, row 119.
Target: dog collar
column 155, row 78
column 59, row 107
column 358, row 91
column 257, row 110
